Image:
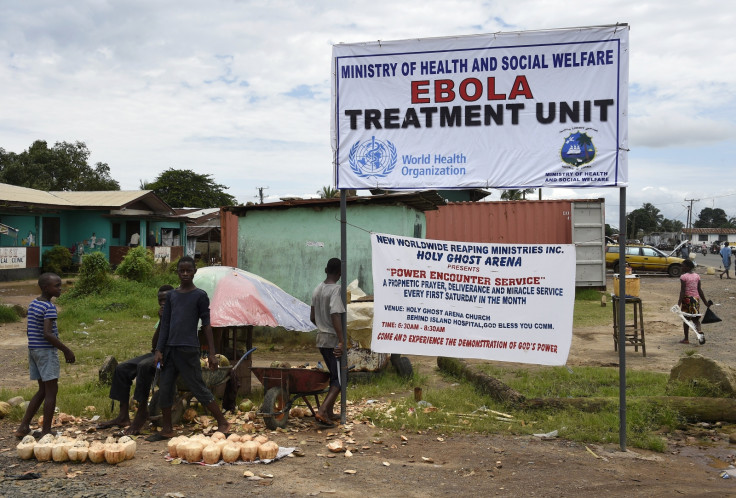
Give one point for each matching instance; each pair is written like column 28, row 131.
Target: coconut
column 211, row 454
column 191, row 451
column 261, row 439
column 114, row 453
column 189, row 415
column 42, row 451
column 79, row 450
column 217, row 436
column 180, row 446
column 129, row 445
column 96, row 452
column 230, row 452
column 222, row 361
column 4, row 409
column 25, row 447
column 233, row 438
column 60, row 449
column 296, row 412
column 171, row 446
column 249, row 451
column 245, row 406
column 268, row 450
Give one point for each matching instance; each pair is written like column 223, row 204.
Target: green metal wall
column 291, row 247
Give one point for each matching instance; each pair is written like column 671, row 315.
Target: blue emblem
column 578, row 149
column 373, row 158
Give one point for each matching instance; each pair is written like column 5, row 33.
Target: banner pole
column 622, row 319
column 344, row 293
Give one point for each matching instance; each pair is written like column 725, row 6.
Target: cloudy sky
column 241, row 89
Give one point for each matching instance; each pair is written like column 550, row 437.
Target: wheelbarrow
column 211, row 378
column 283, row 386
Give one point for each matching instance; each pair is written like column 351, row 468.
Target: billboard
column 503, row 302
column 503, row 110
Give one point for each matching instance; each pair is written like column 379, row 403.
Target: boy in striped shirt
column 43, row 360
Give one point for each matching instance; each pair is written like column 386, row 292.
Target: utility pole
column 690, row 211
column 260, row 193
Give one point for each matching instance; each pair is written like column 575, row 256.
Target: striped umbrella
column 239, row 298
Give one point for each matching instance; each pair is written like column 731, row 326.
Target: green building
column 290, row 242
column 33, row 221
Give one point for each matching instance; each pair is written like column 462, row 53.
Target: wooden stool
column 633, row 332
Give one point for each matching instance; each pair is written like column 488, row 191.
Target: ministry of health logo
column 578, row 149
column 373, row 158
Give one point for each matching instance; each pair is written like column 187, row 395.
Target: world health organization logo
column 578, row 149
column 373, row 158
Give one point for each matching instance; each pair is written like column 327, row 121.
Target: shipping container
column 579, row 222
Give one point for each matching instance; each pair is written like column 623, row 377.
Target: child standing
column 690, row 291
column 178, row 348
column 326, row 313
column 143, row 370
column 43, row 360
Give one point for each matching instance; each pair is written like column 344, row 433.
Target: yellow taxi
column 644, row 258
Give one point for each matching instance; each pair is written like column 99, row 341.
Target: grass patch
column 120, row 322
column 461, row 408
column 8, row 314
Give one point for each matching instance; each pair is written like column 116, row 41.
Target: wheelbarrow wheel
column 275, row 408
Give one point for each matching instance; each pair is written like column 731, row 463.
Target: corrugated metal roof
column 421, row 201
column 106, row 198
column 197, row 231
column 710, row 231
column 15, row 194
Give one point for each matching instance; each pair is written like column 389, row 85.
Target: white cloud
column 205, row 86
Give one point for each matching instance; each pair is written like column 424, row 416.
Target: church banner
column 503, row 110
column 503, row 302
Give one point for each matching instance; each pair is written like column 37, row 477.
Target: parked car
column 644, row 258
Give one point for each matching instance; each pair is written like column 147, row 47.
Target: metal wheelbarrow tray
column 283, row 386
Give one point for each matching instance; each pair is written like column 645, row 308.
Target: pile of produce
column 64, row 448
column 222, row 361
column 213, row 449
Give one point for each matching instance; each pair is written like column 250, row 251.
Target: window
column 703, row 238
column 116, row 230
column 632, row 251
column 51, row 231
column 646, row 251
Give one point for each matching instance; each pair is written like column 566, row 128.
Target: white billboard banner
column 503, row 302
column 504, row 110
column 12, row 257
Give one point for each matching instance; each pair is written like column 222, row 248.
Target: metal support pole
column 344, row 293
column 622, row 320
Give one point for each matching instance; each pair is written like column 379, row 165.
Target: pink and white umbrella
column 239, row 298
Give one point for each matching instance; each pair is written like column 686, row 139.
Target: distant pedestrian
column 726, row 256
column 685, row 250
column 690, row 292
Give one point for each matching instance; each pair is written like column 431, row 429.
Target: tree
column 668, row 225
column 185, row 188
column 713, row 218
column 516, row 195
column 62, row 167
column 328, row 192
column 647, row 219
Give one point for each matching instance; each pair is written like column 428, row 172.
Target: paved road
column 713, row 260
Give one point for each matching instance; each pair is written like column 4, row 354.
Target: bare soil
column 430, row 463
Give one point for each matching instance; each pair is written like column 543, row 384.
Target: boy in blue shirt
column 43, row 360
column 178, row 348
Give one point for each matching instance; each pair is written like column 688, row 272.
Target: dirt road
column 458, row 465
